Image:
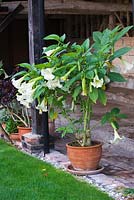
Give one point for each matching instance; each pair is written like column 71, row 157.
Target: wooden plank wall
column 14, row 40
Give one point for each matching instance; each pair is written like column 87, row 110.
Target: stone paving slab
column 109, row 183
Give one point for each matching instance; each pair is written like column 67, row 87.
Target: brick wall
column 126, row 67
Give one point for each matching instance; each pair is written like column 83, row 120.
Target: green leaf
column 1, row 64
column 38, row 92
column 63, row 37
column 50, row 99
column 122, row 33
column 116, row 77
column 101, row 72
column 97, row 36
column 122, row 116
column 102, row 96
column 22, row 73
column 76, row 92
column 43, row 65
column 105, row 118
column 115, row 111
column 61, row 71
column 92, row 59
column 89, row 74
column 52, row 37
column 71, row 81
column 52, row 114
column 65, row 130
column 86, row 44
column 1, row 71
column 115, row 124
column 25, row 65
column 119, row 53
column 51, row 47
column 94, row 95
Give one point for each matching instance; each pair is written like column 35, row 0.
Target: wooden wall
column 14, row 39
column 14, row 44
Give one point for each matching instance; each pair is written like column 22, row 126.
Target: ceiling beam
column 10, row 16
column 75, row 7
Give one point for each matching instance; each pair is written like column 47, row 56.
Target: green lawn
column 26, row 178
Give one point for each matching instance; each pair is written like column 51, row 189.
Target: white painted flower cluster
column 25, row 91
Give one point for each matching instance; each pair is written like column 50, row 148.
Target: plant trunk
column 86, row 140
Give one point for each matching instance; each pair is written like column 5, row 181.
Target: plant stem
column 13, row 115
column 87, row 115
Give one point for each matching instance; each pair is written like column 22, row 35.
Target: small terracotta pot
column 85, row 158
column 14, row 136
column 23, row 130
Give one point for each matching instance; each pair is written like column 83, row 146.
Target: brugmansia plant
column 74, row 76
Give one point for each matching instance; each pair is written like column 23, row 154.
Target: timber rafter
column 10, row 16
column 75, row 7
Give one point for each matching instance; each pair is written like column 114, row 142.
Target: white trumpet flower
column 42, row 107
column 25, row 94
column 97, row 83
column 49, row 52
column 127, row 66
column 47, row 74
column 17, row 83
column 116, row 137
column 52, row 84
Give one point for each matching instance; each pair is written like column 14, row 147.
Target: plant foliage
column 75, row 76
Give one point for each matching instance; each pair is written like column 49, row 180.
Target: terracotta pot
column 85, row 158
column 14, row 136
column 23, row 130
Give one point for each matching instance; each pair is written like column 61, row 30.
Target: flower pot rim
column 96, row 144
column 23, row 127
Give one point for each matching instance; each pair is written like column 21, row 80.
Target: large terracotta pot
column 23, row 130
column 85, row 158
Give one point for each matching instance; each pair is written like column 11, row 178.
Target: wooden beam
column 121, row 23
column 133, row 10
column 85, row 7
column 36, row 34
column 76, row 7
column 3, row 9
column 10, row 16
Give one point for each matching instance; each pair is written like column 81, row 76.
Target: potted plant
column 76, row 76
column 14, row 115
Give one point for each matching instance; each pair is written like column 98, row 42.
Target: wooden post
column 36, row 34
column 111, row 24
column 133, row 10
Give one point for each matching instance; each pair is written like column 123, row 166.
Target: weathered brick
column 32, row 148
column 33, row 142
column 128, row 41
